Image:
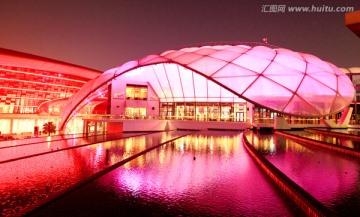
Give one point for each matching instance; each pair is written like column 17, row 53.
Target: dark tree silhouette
column 49, row 128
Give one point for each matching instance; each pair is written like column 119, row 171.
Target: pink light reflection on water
column 329, row 177
column 329, row 139
column 221, row 180
column 25, row 182
column 20, row 151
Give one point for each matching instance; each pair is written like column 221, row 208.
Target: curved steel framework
column 275, row 78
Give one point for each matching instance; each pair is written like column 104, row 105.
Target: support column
column 356, row 114
column 95, row 128
column 11, row 125
column 250, row 114
column 280, row 123
column 343, row 121
column 83, row 130
column 86, row 128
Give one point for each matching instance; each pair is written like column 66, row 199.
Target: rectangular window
column 129, row 92
column 135, row 113
column 136, row 92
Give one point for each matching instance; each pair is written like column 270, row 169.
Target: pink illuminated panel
column 187, row 83
column 174, row 80
column 163, row 78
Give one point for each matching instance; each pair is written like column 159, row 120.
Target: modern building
column 352, row 21
column 244, row 82
column 354, row 75
column 34, row 89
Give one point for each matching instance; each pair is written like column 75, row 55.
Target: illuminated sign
column 118, row 95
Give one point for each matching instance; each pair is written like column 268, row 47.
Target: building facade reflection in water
column 208, row 173
column 331, row 178
column 26, row 182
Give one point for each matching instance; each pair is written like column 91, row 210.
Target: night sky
column 102, row 34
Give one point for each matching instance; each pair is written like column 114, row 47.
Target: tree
column 49, row 128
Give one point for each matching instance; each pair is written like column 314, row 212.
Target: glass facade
column 203, row 111
column 135, row 113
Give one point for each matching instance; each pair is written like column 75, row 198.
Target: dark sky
column 103, row 34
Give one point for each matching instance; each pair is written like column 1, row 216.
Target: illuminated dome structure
column 278, row 79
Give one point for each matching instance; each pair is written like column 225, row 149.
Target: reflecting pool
column 27, row 182
column 202, row 174
column 331, row 178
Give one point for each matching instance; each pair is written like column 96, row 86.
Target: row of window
column 204, row 111
column 22, row 90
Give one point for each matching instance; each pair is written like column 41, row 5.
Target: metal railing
column 289, row 120
column 142, row 117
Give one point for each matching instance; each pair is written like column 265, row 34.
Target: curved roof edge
column 231, row 43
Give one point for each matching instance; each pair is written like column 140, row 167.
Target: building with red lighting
column 34, row 89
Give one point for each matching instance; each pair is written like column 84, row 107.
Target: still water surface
column 328, row 139
column 203, row 174
column 331, row 178
column 26, row 182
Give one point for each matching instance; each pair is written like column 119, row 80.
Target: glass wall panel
column 226, row 112
column 23, row 125
column 207, row 111
column 4, row 126
column 214, row 112
column 253, row 63
column 208, row 65
column 150, row 75
column 200, row 83
column 187, row 82
column 163, row 79
column 201, row 111
column 213, row 91
column 135, row 113
column 180, row 112
column 291, row 62
column 172, row 72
